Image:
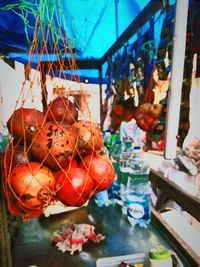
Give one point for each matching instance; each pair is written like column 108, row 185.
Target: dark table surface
column 32, row 246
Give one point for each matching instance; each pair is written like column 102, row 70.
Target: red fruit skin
column 100, row 169
column 23, row 124
column 28, row 182
column 89, row 137
column 116, row 118
column 14, row 207
column 74, row 188
column 15, row 155
column 144, row 121
column 119, row 109
column 55, row 145
column 156, row 110
column 18, row 209
column 62, row 109
column 143, row 109
column 148, row 118
column 128, row 114
column 72, row 164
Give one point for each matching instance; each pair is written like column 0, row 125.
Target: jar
column 160, row 257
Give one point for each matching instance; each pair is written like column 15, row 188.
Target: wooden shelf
column 188, row 202
column 169, row 190
column 185, row 249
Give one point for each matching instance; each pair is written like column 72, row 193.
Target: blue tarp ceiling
column 92, row 25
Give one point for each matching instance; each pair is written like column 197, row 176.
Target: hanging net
column 55, row 150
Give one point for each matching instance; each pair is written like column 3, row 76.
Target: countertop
column 32, row 246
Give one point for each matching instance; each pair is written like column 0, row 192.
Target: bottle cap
column 137, row 148
column 159, row 253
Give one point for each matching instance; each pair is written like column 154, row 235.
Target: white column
column 175, row 87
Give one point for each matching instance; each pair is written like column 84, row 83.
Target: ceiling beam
column 88, row 64
column 81, row 64
column 152, row 7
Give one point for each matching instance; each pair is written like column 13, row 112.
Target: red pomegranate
column 65, row 170
column 18, row 209
column 23, row 123
column 54, row 144
column 128, row 114
column 89, row 137
column 63, row 110
column 32, row 185
column 116, row 118
column 101, row 170
column 75, row 187
column 145, row 121
column 118, row 109
column 15, row 155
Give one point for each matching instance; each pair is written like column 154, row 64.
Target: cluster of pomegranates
column 147, row 116
column 53, row 156
column 123, row 110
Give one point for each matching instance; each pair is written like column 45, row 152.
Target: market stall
column 56, row 154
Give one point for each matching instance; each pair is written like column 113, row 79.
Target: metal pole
column 100, row 94
column 175, row 88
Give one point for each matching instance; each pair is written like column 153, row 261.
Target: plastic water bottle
column 123, row 172
column 116, row 160
column 123, row 179
column 137, row 163
column 112, row 141
column 138, row 199
column 116, row 154
column 106, row 138
column 127, row 152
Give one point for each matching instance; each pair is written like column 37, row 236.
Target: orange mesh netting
column 55, row 150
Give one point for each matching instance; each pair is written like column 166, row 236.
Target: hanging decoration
column 144, row 87
column 151, row 113
column 160, row 77
column 131, row 73
column 119, row 88
column 55, row 150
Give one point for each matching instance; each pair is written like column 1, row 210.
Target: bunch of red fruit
column 53, row 156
